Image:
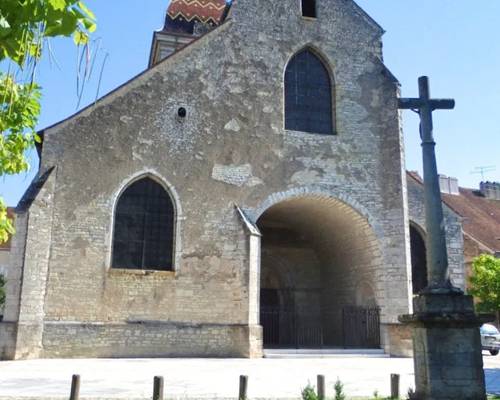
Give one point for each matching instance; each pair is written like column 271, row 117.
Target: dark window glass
column 308, row 95
column 309, row 8
column 144, row 228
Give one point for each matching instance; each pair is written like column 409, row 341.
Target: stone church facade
column 256, row 170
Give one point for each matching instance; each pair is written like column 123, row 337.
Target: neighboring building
column 247, row 191
column 475, row 212
column 480, row 212
column 454, row 237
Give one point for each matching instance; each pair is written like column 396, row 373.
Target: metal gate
column 288, row 324
column 361, row 327
column 286, row 328
column 270, row 321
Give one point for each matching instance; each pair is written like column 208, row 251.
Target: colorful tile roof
column 182, row 14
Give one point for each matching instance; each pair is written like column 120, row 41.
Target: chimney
column 448, row 185
column 490, row 190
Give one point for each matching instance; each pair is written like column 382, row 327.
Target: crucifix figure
column 443, row 319
column 437, row 257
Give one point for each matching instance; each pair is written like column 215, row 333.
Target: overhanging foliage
column 25, row 26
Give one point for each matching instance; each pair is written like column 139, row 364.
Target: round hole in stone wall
column 181, row 112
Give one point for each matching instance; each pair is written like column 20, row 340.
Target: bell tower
column 185, row 21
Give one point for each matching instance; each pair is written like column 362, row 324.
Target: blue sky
column 455, row 42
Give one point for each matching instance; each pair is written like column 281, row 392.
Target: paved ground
column 492, row 373
column 208, row 378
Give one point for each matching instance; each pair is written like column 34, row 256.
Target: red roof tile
column 481, row 216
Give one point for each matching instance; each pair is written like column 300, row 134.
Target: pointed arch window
column 143, row 235
column 308, row 95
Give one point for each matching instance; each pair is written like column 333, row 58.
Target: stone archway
column 319, row 265
column 418, row 258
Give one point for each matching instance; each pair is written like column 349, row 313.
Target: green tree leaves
column 485, row 283
column 6, row 226
column 25, row 25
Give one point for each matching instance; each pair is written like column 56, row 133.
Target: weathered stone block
column 447, row 348
column 7, row 340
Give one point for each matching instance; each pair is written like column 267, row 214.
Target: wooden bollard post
column 243, row 387
column 158, row 388
column 394, row 386
column 321, row 387
column 75, row 387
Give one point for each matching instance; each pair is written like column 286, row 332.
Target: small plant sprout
column 309, row 393
column 339, row 390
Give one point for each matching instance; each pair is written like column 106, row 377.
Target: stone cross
column 446, row 340
column 437, row 257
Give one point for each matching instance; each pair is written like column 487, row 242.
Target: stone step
column 323, row 353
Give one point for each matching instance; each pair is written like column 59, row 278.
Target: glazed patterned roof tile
column 206, row 11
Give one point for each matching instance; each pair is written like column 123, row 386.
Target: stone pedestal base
column 447, row 348
column 397, row 340
column 7, row 340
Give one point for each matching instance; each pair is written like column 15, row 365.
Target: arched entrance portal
column 319, row 265
column 418, row 259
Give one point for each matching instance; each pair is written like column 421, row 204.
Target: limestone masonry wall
column 454, row 235
column 231, row 149
column 146, row 340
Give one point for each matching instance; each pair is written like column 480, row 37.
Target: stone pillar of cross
column 446, row 342
column 437, row 257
